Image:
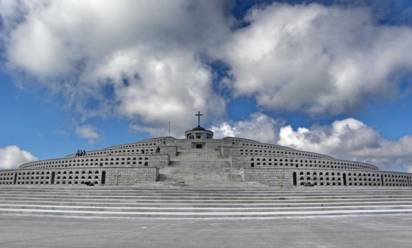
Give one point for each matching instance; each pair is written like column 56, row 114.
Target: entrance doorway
column 295, row 180
column 103, row 177
column 344, row 179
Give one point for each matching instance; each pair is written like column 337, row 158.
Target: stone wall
column 101, row 161
column 247, row 161
column 78, row 176
column 268, row 176
column 321, row 177
column 169, row 150
column 130, row 176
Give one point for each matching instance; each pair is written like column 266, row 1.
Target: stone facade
column 79, row 176
column 268, row 176
column 256, row 162
column 320, row 177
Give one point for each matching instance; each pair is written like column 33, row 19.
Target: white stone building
column 199, row 158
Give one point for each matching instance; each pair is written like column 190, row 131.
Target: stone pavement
column 358, row 231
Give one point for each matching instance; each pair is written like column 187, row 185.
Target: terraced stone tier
column 203, row 203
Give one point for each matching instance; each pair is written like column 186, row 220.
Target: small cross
column 198, row 118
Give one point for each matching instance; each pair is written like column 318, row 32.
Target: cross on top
column 198, row 118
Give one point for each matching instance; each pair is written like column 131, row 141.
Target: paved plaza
column 377, row 231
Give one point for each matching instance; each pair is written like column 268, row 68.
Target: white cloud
column 158, row 89
column 145, row 61
column 87, row 132
column 315, row 58
column 345, row 135
column 13, row 156
column 351, row 139
column 259, row 127
column 345, row 139
column 148, row 54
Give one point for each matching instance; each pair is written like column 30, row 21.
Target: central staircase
column 202, row 203
column 217, row 173
column 195, row 167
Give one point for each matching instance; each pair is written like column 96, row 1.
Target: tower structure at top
column 198, row 133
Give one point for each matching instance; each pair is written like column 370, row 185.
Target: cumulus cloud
column 258, row 127
column 13, row 156
column 87, row 132
column 316, row 58
column 149, row 62
column 344, row 135
column 345, row 139
column 351, row 139
column 168, row 88
column 139, row 59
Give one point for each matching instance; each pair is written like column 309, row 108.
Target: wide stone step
column 204, row 215
column 204, row 188
column 195, row 196
column 200, row 197
column 192, row 192
column 173, row 193
column 196, row 191
column 209, row 203
column 203, row 204
column 204, row 198
column 196, row 188
column 204, row 209
column 185, row 193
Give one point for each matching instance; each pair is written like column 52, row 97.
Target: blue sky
column 34, row 116
column 65, row 86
